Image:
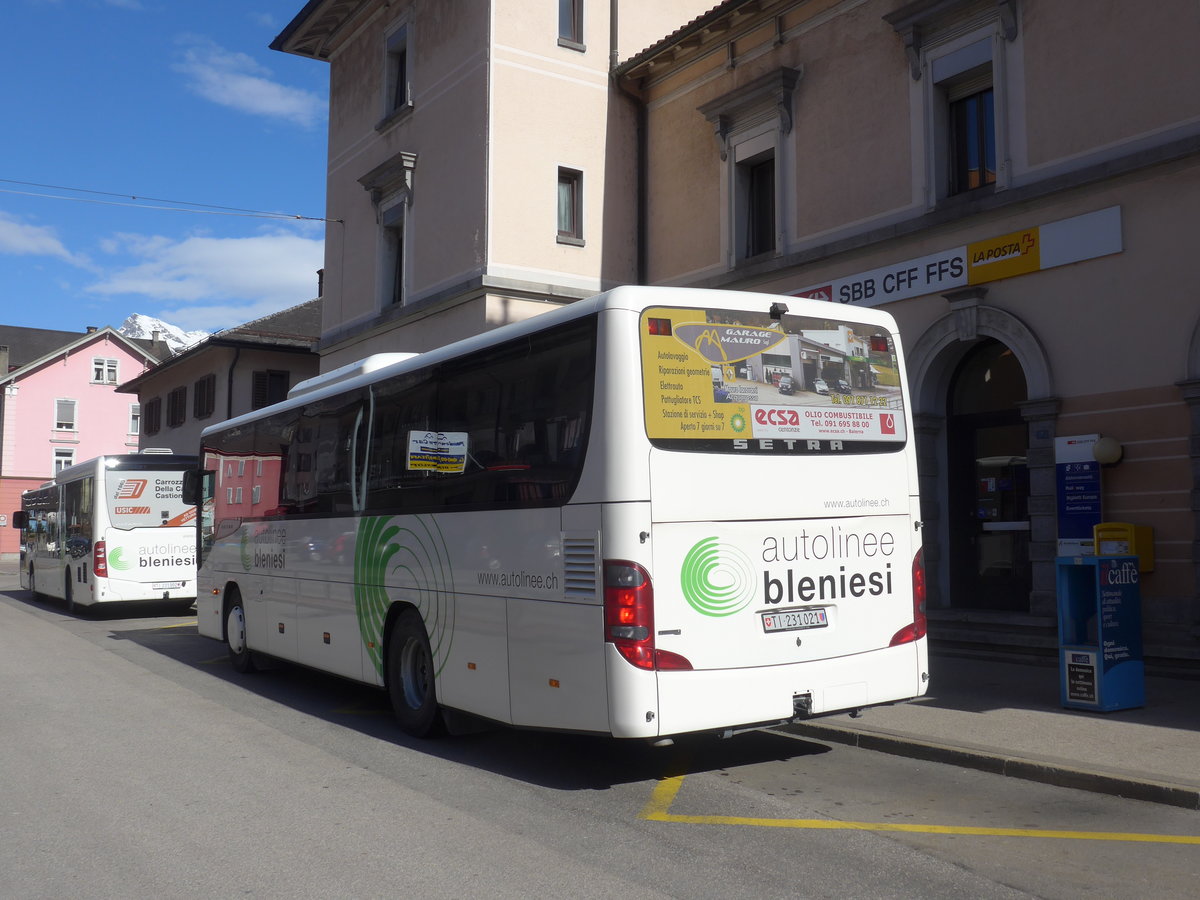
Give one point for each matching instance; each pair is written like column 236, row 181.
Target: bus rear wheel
column 410, row 678
column 240, row 656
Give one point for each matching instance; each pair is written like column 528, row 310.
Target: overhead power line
column 142, row 202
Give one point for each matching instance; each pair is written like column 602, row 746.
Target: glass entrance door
column 988, row 483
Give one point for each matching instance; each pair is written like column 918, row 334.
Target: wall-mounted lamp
column 777, row 310
column 1107, row 451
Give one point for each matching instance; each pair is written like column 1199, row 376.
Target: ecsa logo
column 766, row 416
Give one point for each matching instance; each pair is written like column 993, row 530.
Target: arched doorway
column 987, row 442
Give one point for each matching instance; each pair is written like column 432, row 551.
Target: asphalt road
column 134, row 763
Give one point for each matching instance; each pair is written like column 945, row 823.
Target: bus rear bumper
column 730, row 700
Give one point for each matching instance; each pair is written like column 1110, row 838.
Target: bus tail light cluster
column 99, row 560
column 919, row 626
column 629, row 617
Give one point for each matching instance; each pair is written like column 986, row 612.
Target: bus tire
column 37, row 595
column 69, row 595
column 240, row 656
column 410, row 678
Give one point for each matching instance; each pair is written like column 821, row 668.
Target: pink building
column 59, row 406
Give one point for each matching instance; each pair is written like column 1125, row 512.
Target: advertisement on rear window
column 147, row 500
column 746, row 381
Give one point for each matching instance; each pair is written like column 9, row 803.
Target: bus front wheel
column 410, row 677
column 240, row 655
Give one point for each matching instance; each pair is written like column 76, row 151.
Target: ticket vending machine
column 1100, row 633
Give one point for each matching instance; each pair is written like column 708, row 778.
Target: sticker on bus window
column 437, row 451
column 732, row 375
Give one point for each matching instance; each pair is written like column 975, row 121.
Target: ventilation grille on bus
column 579, row 567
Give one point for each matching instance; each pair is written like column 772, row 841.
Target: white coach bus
column 654, row 512
column 112, row 529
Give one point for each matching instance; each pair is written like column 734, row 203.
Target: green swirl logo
column 410, row 561
column 717, row 579
column 117, row 560
column 247, row 561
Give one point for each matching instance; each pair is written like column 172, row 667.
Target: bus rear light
column 99, row 560
column 629, row 617
column 920, row 623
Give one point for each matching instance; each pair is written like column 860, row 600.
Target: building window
column 177, row 406
column 958, row 57
column 391, row 186
column 756, row 190
column 256, row 494
column 972, row 141
column 570, row 207
column 204, row 394
column 62, row 459
column 135, row 418
column 397, row 84
column 104, row 371
column 64, row 415
column 570, row 24
column 753, row 127
column 269, row 387
column 152, row 416
column 392, row 221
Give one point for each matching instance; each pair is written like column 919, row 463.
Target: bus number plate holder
column 795, row 620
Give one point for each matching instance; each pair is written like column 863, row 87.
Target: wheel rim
column 414, row 672
column 235, row 629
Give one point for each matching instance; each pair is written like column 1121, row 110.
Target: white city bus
column 609, row 518
column 112, row 529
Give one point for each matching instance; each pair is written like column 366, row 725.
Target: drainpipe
column 641, row 140
column 237, row 351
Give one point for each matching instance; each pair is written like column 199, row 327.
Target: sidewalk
column 1005, row 717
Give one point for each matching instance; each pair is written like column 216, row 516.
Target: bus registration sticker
column 794, row 620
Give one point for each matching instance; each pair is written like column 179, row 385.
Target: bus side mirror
column 193, row 481
column 20, row 519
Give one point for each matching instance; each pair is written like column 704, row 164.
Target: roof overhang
column 318, row 28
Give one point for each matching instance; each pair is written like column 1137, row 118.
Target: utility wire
column 141, row 203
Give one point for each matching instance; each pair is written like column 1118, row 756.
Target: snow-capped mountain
column 143, row 327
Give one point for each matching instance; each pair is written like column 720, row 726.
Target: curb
column 1184, row 797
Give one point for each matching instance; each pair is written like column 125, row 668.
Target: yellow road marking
column 657, row 809
column 176, row 625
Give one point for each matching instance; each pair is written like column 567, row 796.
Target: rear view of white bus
column 776, row 570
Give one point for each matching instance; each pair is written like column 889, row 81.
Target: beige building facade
column 1018, row 182
column 481, row 163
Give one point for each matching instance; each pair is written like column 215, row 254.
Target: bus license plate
column 794, row 620
column 166, row 585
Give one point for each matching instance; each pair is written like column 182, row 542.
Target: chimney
column 320, row 282
column 3, row 360
column 155, row 335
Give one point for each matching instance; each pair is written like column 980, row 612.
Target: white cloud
column 19, row 238
column 237, row 81
column 211, row 283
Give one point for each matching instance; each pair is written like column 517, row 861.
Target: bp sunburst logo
column 717, row 579
column 737, row 422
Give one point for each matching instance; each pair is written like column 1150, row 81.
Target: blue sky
column 177, row 101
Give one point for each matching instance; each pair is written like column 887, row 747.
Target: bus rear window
column 146, row 499
column 740, row 382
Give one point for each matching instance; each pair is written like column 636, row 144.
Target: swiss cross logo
column 131, row 488
column 887, row 423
